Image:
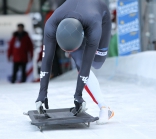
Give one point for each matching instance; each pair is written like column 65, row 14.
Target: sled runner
column 59, row 117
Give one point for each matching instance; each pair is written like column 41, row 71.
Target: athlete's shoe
column 104, row 115
column 79, row 107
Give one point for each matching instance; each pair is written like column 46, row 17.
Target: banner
column 128, row 27
column 8, row 24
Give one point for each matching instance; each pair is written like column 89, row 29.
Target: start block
column 59, row 117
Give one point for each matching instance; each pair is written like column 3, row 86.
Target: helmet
column 69, row 34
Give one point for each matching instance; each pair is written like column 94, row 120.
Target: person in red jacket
column 20, row 47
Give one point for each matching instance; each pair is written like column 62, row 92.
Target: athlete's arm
column 47, row 58
column 93, row 35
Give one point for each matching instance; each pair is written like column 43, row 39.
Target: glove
column 80, row 107
column 40, row 108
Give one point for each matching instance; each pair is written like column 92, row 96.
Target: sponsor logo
column 128, row 27
column 84, row 79
column 127, row 9
column 42, row 74
column 101, row 53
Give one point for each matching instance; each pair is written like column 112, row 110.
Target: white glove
column 40, row 108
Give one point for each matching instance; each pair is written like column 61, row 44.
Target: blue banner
column 128, row 27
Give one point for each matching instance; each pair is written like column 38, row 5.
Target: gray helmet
column 69, row 34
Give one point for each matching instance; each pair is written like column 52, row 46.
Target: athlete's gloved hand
column 80, row 106
column 40, row 108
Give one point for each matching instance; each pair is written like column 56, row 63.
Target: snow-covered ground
column 128, row 86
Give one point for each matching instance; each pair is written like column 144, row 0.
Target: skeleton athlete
column 94, row 17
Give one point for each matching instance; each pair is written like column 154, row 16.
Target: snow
column 131, row 98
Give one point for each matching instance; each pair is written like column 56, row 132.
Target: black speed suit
column 95, row 19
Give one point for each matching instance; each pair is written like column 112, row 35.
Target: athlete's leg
column 105, row 113
column 93, row 85
column 94, row 90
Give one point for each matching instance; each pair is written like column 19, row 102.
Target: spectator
column 20, row 47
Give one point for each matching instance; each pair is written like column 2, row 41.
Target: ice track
column 130, row 94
